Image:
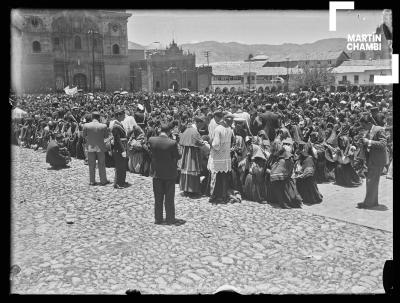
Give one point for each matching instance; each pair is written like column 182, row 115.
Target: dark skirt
column 285, row 194
column 80, row 152
column 324, row 169
column 254, row 188
column 308, row 190
column 346, row 175
column 237, row 180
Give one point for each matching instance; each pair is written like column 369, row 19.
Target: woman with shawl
column 238, row 153
column 305, row 180
column 254, row 186
column 135, row 146
column 345, row 173
column 282, row 189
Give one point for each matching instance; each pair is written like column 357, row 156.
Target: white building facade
column 361, row 72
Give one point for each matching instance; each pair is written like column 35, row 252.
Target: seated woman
column 305, row 180
column 282, row 189
column 345, row 173
column 136, row 151
column 57, row 155
column 254, row 186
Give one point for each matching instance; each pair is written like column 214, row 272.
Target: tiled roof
column 306, row 56
column 357, row 68
column 383, row 62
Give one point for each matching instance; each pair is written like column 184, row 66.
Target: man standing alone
column 375, row 152
column 95, row 133
column 164, row 158
column 119, row 149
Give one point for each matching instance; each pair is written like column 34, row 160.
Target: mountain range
column 233, row 51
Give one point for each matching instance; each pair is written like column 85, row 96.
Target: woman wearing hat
column 254, row 186
column 136, row 150
column 281, row 188
column 305, row 180
column 345, row 174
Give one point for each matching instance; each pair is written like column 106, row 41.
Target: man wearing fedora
column 374, row 143
column 95, row 132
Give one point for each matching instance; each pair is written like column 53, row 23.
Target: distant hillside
column 233, row 51
column 133, row 45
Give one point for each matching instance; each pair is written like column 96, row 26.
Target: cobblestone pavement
column 113, row 245
column 340, row 203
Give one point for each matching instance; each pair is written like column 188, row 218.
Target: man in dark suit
column 164, row 158
column 119, row 149
column 95, row 132
column 375, row 152
column 54, row 156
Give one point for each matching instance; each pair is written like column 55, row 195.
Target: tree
column 313, row 78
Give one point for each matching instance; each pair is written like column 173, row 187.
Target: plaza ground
column 113, row 245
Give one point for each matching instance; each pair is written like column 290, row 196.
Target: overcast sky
column 249, row 27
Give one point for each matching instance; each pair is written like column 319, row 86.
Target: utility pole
column 287, row 72
column 249, row 77
column 207, row 54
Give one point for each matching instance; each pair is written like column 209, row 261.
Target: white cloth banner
column 71, row 91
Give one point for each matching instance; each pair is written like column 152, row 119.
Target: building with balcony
column 312, row 60
column 248, row 76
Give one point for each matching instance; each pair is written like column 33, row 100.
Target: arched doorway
column 174, row 85
column 225, row 90
column 80, row 81
column 260, row 89
column 232, row 89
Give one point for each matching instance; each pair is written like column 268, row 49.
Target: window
column 189, row 83
column 36, row 47
column 371, row 78
column 307, row 62
column 78, row 42
column 115, row 49
column 318, row 62
column 362, row 56
column 35, row 21
column 329, row 61
column 94, row 43
column 356, row 79
column 344, row 78
column 158, row 84
column 56, row 41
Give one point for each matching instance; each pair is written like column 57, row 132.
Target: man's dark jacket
column 164, row 158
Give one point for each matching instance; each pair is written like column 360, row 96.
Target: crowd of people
column 264, row 147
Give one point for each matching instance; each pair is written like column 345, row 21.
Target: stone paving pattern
column 113, row 245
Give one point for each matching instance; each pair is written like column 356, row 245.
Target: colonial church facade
column 56, row 48
column 51, row 49
column 161, row 70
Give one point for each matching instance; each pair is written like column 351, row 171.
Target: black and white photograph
column 201, row 151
